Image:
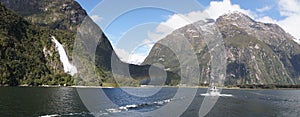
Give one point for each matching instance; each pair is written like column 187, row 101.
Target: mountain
column 28, row 56
column 54, row 14
column 257, row 53
column 20, row 60
column 35, row 33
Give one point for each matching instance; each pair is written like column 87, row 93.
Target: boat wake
column 153, row 105
column 221, row 95
column 83, row 114
column 118, row 110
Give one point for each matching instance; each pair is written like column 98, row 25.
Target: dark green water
column 33, row 102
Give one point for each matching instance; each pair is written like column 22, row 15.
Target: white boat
column 214, row 91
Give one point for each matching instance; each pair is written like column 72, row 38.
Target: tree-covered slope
column 35, row 22
column 22, row 57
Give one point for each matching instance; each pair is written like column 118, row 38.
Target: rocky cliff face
column 282, row 48
column 257, row 53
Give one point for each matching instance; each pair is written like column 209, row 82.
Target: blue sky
column 133, row 32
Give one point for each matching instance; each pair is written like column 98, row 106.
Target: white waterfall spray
column 68, row 67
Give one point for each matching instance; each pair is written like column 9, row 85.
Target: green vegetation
column 269, row 86
column 21, row 51
column 29, row 57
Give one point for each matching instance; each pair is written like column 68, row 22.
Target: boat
column 214, row 91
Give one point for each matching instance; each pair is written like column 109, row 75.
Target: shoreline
column 201, row 87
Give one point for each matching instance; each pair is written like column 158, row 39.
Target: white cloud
column 264, row 9
column 289, row 8
column 96, row 18
column 218, row 8
column 148, row 43
column 133, row 58
column 266, row 19
column 138, row 55
column 136, row 59
column 176, row 21
column 291, row 25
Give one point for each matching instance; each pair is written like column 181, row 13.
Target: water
column 33, row 102
column 68, row 67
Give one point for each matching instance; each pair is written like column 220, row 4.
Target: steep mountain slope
column 22, row 58
column 257, row 53
column 63, row 16
column 55, row 14
column 281, row 44
column 59, row 19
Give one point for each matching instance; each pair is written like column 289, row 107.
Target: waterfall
column 68, row 67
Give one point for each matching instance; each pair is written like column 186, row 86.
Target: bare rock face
column 257, row 53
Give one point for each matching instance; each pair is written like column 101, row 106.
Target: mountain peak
column 269, row 33
column 236, row 14
column 234, row 17
column 251, row 48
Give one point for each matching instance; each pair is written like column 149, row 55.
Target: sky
column 133, row 26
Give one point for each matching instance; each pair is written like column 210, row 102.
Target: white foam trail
column 132, row 106
column 221, row 95
column 68, row 67
column 54, row 115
